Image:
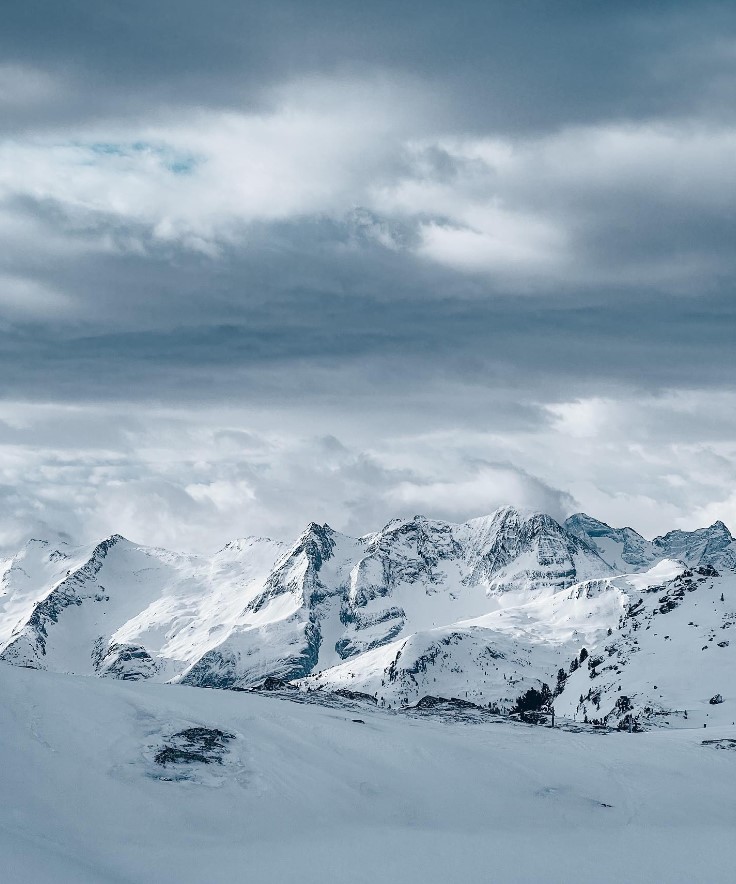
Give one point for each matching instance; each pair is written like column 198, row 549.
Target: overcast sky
column 263, row 263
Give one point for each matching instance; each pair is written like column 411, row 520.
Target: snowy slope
column 675, row 651
column 623, row 548
column 308, row 794
column 27, row 577
column 333, row 597
column 491, row 659
column 123, row 610
column 278, row 633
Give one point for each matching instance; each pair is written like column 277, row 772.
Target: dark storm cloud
column 510, row 66
column 380, row 332
column 308, row 312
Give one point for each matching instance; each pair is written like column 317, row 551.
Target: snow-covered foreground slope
column 305, row 793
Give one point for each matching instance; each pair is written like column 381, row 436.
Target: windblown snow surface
column 306, row 793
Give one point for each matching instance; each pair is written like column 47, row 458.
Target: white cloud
column 521, row 207
column 583, row 418
column 681, row 160
column 195, row 479
column 477, row 489
column 501, row 242
column 197, row 176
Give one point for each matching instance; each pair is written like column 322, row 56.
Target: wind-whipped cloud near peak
column 188, row 480
column 481, row 487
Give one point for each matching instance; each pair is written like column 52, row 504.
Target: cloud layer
column 421, row 260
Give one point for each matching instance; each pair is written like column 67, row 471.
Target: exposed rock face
column 712, row 546
column 279, row 633
column 194, row 745
column 405, row 553
column 214, row 669
column 624, row 548
column 27, row 646
column 531, row 551
column 298, row 571
column 367, row 592
column 125, row 661
column 274, row 684
column 508, row 551
column 430, row 702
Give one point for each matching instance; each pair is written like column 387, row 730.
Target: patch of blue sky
column 175, row 161
column 182, row 165
column 106, row 148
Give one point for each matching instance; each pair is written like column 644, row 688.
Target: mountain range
column 607, row 626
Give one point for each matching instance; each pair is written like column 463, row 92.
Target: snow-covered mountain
column 626, row 550
column 623, row 548
column 123, row 610
column 493, row 611
column 257, row 609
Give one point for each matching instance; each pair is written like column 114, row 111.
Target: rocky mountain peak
column 719, row 528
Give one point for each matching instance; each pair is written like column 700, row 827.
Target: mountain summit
column 624, row 548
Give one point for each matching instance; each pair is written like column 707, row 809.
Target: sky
column 268, row 263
